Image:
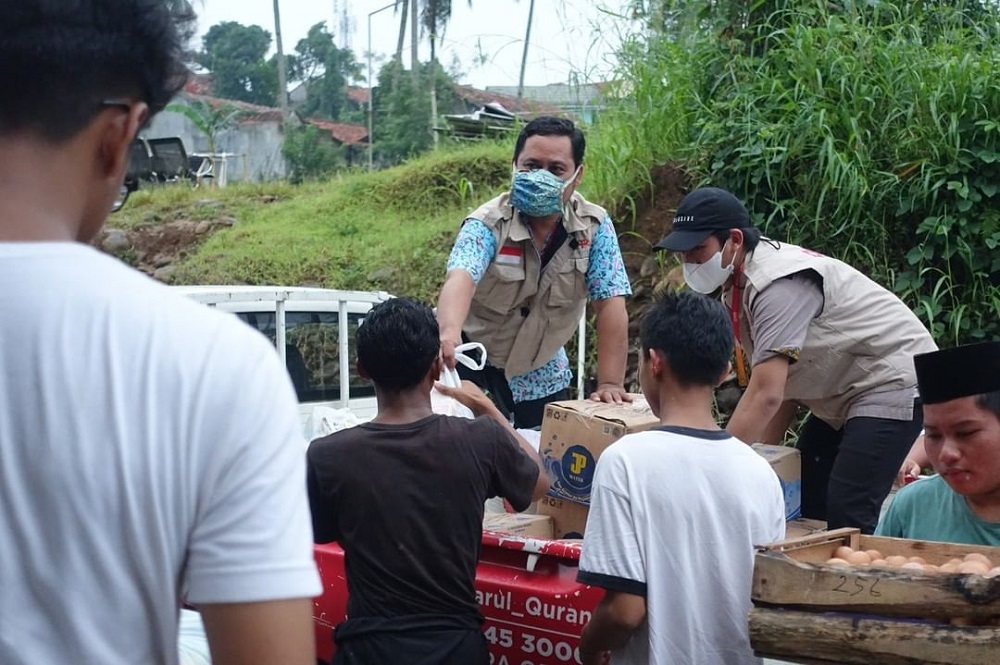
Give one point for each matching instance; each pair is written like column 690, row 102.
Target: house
column 353, row 137
column 583, row 101
column 252, row 142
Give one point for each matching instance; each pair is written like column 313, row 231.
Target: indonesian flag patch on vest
column 510, row 255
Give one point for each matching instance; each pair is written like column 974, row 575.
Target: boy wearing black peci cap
column 817, row 333
column 960, row 389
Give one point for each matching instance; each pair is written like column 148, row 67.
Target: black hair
column 990, row 402
column 693, row 332
column 548, row 125
column 61, row 59
column 397, row 342
column 751, row 237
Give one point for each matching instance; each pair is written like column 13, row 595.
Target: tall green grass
column 867, row 131
column 388, row 230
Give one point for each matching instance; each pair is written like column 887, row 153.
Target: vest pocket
column 569, row 287
column 502, row 285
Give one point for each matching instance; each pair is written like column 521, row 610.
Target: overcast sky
column 486, row 39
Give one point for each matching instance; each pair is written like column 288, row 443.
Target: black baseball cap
column 962, row 371
column 699, row 214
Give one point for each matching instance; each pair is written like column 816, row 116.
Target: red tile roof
column 357, row 95
column 250, row 112
column 342, row 132
column 513, row 104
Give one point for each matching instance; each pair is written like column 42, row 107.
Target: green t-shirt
column 930, row 510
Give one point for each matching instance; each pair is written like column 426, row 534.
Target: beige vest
column 520, row 313
column 862, row 342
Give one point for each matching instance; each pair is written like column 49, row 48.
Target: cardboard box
column 576, row 432
column 519, row 524
column 787, row 463
column 568, row 518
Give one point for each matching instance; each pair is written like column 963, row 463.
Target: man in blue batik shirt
column 521, row 272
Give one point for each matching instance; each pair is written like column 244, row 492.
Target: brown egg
column 859, row 559
column 976, row 556
column 956, row 562
column 949, row 568
column 880, row 563
column 875, row 555
column 931, row 568
column 912, row 565
column 973, row 568
column 836, row 561
column 993, row 572
column 917, row 559
column 895, row 560
column 843, row 552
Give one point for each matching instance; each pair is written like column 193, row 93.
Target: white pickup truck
column 305, row 324
column 528, row 592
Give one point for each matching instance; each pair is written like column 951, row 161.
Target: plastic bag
column 449, row 406
column 325, row 420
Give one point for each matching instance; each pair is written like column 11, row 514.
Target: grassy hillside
column 388, row 230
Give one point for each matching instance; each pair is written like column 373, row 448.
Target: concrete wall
column 257, row 145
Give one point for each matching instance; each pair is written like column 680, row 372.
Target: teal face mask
column 538, row 193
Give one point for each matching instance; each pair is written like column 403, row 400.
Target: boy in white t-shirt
column 150, row 448
column 676, row 510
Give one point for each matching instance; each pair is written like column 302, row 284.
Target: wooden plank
column 933, row 552
column 803, row 527
column 780, row 580
column 816, row 547
column 811, row 637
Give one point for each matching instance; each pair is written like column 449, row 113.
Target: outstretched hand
column 448, row 352
column 611, row 393
column 908, row 472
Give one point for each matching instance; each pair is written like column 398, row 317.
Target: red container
column 527, row 590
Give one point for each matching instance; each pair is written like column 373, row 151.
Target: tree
column 234, row 53
column 325, row 70
column 210, row 120
column 402, row 110
column 435, row 17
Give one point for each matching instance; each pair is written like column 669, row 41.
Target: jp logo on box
column 576, row 432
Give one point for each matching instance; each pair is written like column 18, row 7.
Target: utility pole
column 432, row 9
column 414, row 35
column 524, row 54
column 371, row 90
column 282, row 74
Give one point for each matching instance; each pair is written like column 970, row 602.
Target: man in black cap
column 960, row 389
column 817, row 333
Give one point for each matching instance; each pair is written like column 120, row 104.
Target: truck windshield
column 312, row 352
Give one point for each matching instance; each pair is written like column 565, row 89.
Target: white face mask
column 708, row 276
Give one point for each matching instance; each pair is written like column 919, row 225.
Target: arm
column 612, row 350
column 774, row 433
column 616, row 617
column 471, row 396
column 607, row 286
column 761, row 402
column 452, row 310
column 916, row 461
column 324, row 517
column 779, row 318
column 267, row 633
column 474, row 249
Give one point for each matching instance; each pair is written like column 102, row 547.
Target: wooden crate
column 806, row 611
column 792, row 574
